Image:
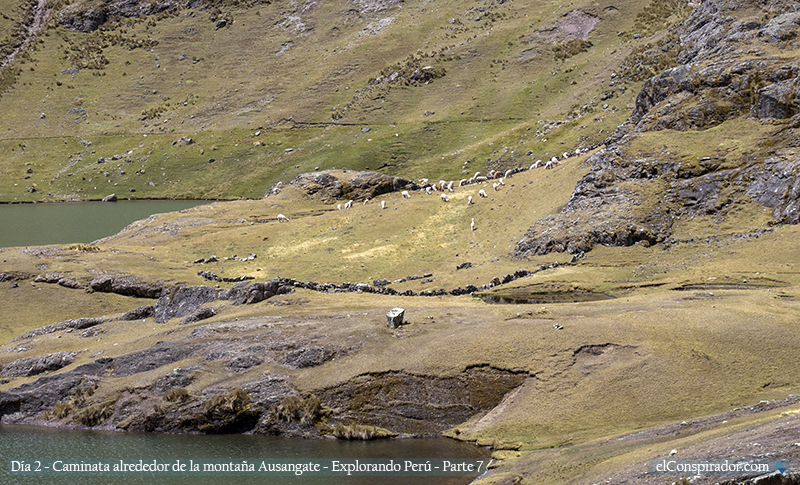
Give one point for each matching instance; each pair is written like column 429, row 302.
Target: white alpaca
column 365, row 201
column 428, row 190
column 348, row 204
column 482, row 193
column 536, row 164
column 383, row 204
column 405, row 194
column 282, row 218
column 338, row 207
column 450, row 186
column 444, row 197
column 495, row 185
column 500, row 181
column 469, row 200
column 472, row 225
column 462, row 183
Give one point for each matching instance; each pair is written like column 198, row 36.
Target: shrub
column 94, row 415
column 360, row 432
column 60, row 411
column 177, row 395
column 570, row 48
column 234, row 402
column 304, row 411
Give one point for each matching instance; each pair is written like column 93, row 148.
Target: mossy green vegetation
column 466, row 91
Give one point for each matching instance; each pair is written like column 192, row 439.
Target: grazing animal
column 536, row 164
column 500, row 181
column 423, row 182
column 405, row 194
column 469, row 200
column 365, row 201
column 282, row 218
column 338, row 207
column 472, row 225
column 509, row 172
column 428, row 190
column 348, row 204
column 450, row 186
column 462, row 183
column 383, row 204
column 482, row 193
column 495, row 185
column 444, row 197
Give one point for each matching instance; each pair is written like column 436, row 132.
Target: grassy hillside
column 443, row 89
column 685, row 342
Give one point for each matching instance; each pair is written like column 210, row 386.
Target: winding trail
column 40, row 14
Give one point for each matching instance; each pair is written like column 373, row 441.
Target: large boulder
column 395, row 317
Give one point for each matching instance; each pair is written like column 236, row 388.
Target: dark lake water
column 30, row 444
column 76, row 222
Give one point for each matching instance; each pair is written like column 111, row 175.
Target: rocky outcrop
column 332, row 185
column 249, row 293
column 28, row 400
column 83, row 18
column 142, row 312
column 166, row 397
column 31, row 366
column 126, row 285
column 307, row 357
column 418, row 404
column 182, row 301
column 75, row 323
column 199, row 314
column 722, row 75
column 602, row 210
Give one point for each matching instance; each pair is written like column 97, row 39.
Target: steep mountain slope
column 269, row 90
column 710, row 140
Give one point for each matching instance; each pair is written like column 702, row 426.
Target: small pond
column 76, row 222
